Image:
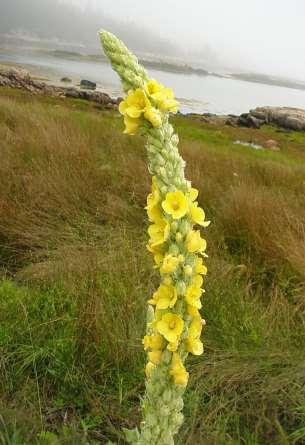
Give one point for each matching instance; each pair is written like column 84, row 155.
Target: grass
column 75, row 276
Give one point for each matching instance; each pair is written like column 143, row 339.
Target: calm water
column 196, row 93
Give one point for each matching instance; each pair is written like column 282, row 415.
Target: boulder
column 284, row 117
column 66, row 79
column 232, row 121
column 87, row 84
column 272, row 145
column 17, row 78
column 72, row 92
column 248, row 120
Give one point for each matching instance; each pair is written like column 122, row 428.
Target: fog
column 260, row 36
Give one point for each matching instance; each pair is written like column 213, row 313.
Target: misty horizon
column 75, row 23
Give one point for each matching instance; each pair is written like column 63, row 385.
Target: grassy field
column 75, row 277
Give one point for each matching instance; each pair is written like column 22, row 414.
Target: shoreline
column 15, row 75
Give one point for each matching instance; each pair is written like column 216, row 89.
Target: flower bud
column 174, row 250
column 181, row 287
column 179, row 237
column 184, row 227
column 174, row 226
column 188, row 270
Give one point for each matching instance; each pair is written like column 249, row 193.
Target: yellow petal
column 170, row 326
column 122, row 106
column 155, row 356
column 153, row 116
column 170, row 263
column 149, row 368
column 194, row 346
column 133, row 111
column 193, row 193
column 194, row 242
column 175, row 204
column 131, row 125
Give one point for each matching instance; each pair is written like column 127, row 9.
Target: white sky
column 260, row 35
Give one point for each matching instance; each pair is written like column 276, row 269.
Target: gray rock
column 232, row 122
column 87, row 84
column 248, row 120
column 284, row 117
column 72, row 92
column 66, row 79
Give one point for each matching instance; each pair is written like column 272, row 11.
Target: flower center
column 175, row 205
column 172, row 325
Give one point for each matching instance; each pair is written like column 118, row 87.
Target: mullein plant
column 174, row 323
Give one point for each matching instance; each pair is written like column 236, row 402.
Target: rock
column 270, row 143
column 232, row 121
column 208, row 115
column 255, row 122
column 66, row 79
column 248, row 120
column 87, row 84
column 17, row 78
column 110, row 106
column 101, row 98
column 258, row 114
column 284, row 117
column 72, row 92
column 294, row 123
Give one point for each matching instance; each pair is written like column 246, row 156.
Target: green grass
column 75, row 277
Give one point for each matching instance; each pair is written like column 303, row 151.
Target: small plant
column 174, row 323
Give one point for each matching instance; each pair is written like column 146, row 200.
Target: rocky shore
column 19, row 78
column 284, row 117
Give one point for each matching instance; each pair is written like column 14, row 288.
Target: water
column 197, row 94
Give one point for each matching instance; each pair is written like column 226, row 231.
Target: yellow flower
column 192, row 296
column 172, row 346
column 193, row 193
column 154, row 356
column 170, row 263
column 175, row 204
column 134, row 104
column 170, row 326
column 154, row 214
column 162, row 96
column 158, row 259
column 157, row 318
column 153, row 116
column 152, row 87
column 194, row 346
column 131, row 125
column 193, row 343
column 197, row 280
column 194, row 242
column 149, row 368
column 165, row 297
column 158, row 233
column 193, row 311
column 132, row 107
column 198, row 215
column 200, row 267
column 195, row 327
column 188, row 270
column 153, row 342
column 178, row 370
column 154, row 197
column 155, row 249
column 166, row 101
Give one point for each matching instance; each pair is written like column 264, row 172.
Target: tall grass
column 76, row 277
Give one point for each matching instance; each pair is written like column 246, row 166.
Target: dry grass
column 72, row 192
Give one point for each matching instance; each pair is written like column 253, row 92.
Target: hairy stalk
column 173, row 321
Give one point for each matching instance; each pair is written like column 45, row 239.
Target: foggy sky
column 260, row 35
